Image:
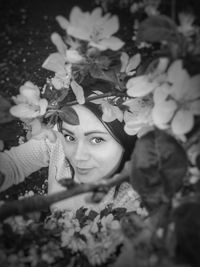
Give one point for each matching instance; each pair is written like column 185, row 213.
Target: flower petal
column 124, row 61
column 108, row 114
column 133, row 62
column 32, row 94
column 174, row 70
column 58, row 42
column 96, row 15
column 55, row 62
column 43, row 106
column 163, row 112
column 182, row 122
column 73, row 56
column 113, row 43
column 63, row 22
column 79, row 32
column 110, row 27
column 160, row 93
column 140, row 86
column 24, row 111
column 179, row 78
column 78, row 91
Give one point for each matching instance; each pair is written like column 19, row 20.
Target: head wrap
column 116, row 129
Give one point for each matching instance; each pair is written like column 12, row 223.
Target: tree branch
column 39, row 203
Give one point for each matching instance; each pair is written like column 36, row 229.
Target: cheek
column 109, row 159
column 68, row 150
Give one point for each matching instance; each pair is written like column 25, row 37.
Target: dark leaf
column 2, row 179
column 97, row 73
column 119, row 213
column 69, row 115
column 198, row 161
column 80, row 216
column 103, row 61
column 5, row 115
column 158, row 166
column 92, row 214
column 106, row 211
column 157, row 29
column 187, row 231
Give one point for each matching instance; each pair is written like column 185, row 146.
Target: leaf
column 187, row 232
column 2, row 178
column 97, row 73
column 156, row 29
column 68, row 115
column 158, row 166
column 80, row 213
column 5, row 115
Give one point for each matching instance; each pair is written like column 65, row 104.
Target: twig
column 54, row 108
column 39, row 203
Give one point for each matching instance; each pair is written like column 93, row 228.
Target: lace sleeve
column 20, row 161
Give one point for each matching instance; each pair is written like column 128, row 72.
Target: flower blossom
column 92, row 27
column 110, row 112
column 61, row 63
column 186, row 21
column 178, row 101
column 129, row 65
column 28, row 103
column 138, row 119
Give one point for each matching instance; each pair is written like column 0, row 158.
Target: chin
column 87, row 178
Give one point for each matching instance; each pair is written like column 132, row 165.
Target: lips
column 83, row 171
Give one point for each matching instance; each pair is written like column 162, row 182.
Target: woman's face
column 91, row 150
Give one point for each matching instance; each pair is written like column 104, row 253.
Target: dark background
column 25, row 29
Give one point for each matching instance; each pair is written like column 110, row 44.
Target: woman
column 87, row 152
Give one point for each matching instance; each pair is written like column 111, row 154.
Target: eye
column 97, row 140
column 69, row 138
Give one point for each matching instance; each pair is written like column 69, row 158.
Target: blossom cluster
column 96, row 235
column 165, row 96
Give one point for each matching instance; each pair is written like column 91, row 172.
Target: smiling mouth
column 83, row 171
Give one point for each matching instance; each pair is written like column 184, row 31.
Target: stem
column 97, row 97
column 39, row 203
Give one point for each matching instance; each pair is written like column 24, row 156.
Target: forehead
column 88, row 121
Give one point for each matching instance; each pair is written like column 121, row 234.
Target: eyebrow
column 87, row 133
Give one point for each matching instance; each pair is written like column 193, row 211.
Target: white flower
column 151, row 7
column 61, row 80
column 186, row 23
column 179, row 100
column 73, row 56
column 29, row 104
column 92, row 27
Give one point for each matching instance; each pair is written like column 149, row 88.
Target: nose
column 81, row 152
